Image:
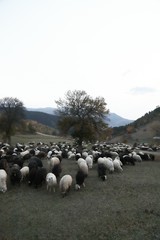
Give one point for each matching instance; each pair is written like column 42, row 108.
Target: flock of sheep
column 25, row 163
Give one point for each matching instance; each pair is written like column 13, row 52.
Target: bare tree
column 11, row 114
column 82, row 116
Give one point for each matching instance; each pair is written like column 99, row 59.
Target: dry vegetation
column 38, row 127
column 126, row 206
column 144, row 133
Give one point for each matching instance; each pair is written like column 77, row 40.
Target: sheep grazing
column 117, row 165
column 49, row 154
column 108, row 162
column 24, row 153
column 127, row 159
column 37, row 160
column 53, row 161
column 78, row 155
column 80, row 177
column 82, row 166
column 3, row 180
column 89, row 161
column 65, row 184
column 71, row 156
column 15, row 159
column 81, row 174
column 101, row 168
column 32, row 164
column 15, row 175
column 24, row 172
column 146, row 156
column 56, row 170
column 84, row 154
column 80, row 160
column 40, row 176
column 51, row 181
column 136, row 157
column 4, row 165
column 32, row 175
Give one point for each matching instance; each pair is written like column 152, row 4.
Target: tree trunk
column 9, row 139
column 80, row 145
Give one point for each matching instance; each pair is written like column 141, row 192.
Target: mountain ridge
column 112, row 119
column 144, row 129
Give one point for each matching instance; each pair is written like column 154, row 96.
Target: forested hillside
column 43, row 118
column 143, row 129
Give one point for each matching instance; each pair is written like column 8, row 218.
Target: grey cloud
column 126, row 73
column 142, row 90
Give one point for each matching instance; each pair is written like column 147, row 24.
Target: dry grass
column 44, row 138
column 126, row 206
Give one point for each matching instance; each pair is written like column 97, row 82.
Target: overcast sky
column 109, row 48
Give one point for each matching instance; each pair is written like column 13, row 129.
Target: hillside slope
column 43, row 118
column 143, row 129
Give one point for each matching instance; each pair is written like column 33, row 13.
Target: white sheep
column 53, row 161
column 22, row 154
column 81, row 174
column 65, row 184
column 84, row 154
column 136, row 157
column 81, row 160
column 117, row 165
column 114, row 154
column 78, row 155
column 100, row 160
column 82, row 166
column 71, row 155
column 108, row 162
column 24, row 172
column 49, row 154
column 3, row 180
column 89, row 161
column 51, row 181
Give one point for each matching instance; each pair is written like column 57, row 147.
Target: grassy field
column 44, row 138
column 124, row 207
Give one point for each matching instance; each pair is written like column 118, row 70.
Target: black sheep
column 17, row 160
column 57, row 169
column 80, row 177
column 32, row 174
column 127, row 159
column 101, row 168
column 40, row 176
column 15, row 176
column 37, row 160
column 4, row 164
column 37, row 176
